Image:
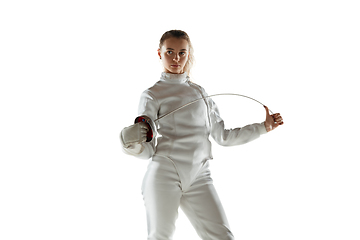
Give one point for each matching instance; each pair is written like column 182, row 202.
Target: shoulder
column 148, row 94
column 197, row 85
column 151, row 90
column 203, row 91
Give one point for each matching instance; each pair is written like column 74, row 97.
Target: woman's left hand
column 272, row 121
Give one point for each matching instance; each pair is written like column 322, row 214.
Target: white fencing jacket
column 183, row 136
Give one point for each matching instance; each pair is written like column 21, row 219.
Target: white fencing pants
column 163, row 194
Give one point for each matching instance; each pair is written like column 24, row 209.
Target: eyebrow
column 173, row 49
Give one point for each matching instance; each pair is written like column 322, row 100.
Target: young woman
column 178, row 173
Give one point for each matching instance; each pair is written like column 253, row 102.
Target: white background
column 71, row 76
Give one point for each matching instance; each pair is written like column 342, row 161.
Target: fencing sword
column 196, row 100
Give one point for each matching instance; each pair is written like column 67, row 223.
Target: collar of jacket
column 174, row 78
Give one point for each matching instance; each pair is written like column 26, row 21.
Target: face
column 174, row 54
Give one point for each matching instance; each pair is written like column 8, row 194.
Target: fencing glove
column 134, row 134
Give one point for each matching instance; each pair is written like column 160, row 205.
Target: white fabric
column 163, row 195
column 134, row 135
column 183, row 146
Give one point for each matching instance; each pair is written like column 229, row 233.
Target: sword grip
column 149, row 134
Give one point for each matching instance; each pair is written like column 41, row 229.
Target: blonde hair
column 180, row 35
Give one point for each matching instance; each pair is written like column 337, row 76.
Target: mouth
column 175, row 65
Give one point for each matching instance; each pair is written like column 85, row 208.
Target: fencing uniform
column 178, row 173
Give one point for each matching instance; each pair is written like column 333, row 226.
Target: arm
column 232, row 137
column 148, row 106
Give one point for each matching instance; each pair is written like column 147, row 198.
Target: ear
column 159, row 52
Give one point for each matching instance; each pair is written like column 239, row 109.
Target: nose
column 176, row 58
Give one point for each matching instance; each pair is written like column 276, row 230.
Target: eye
column 169, row 52
column 182, row 53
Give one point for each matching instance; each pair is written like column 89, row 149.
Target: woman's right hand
column 134, row 134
